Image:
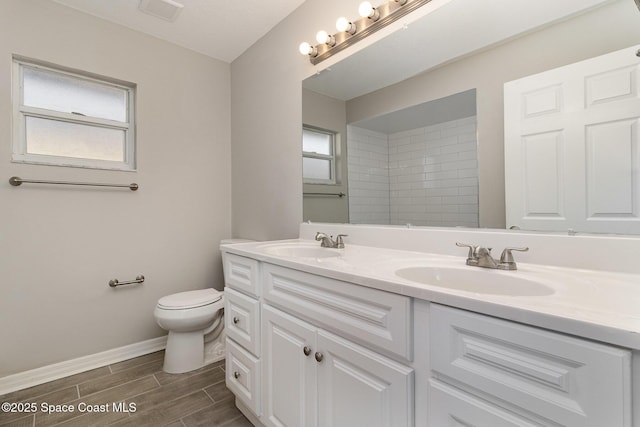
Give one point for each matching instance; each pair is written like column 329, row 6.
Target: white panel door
column 289, row 381
column 571, row 147
column 357, row 387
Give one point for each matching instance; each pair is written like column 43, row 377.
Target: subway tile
column 468, row 191
column 468, row 155
column 467, row 173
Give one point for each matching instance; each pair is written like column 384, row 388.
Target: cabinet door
column 290, row 396
column 358, row 387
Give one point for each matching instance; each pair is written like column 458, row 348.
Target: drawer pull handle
column 236, row 374
column 236, row 320
column 319, row 357
column 306, row 350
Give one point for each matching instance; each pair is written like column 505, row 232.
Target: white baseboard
column 74, row 366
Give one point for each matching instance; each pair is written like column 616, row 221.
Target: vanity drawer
column 241, row 273
column 243, row 376
column 449, row 404
column 371, row 317
column 570, row 381
column 242, row 320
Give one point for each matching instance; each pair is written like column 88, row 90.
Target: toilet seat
column 189, row 299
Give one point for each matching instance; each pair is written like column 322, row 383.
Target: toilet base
column 184, row 352
column 214, row 350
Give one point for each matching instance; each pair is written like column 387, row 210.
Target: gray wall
column 61, row 245
column 266, row 107
column 266, row 118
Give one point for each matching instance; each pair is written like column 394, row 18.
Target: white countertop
column 599, row 305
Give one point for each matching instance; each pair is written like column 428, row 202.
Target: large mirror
column 417, row 117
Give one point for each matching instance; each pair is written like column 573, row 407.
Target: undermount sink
column 299, row 251
column 475, row 279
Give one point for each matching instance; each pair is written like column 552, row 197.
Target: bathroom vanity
column 395, row 330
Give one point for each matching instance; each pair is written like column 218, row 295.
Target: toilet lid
column 190, row 299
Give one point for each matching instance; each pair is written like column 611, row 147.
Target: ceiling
column 452, row 107
column 206, row 26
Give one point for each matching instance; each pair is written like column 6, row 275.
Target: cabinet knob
column 236, row 374
column 306, row 350
column 236, row 320
column 319, row 357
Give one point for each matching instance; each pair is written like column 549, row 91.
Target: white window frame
column 314, row 155
column 21, row 112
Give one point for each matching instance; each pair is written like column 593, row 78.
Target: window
column 65, row 118
column 318, row 156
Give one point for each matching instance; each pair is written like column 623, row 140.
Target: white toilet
column 189, row 317
column 195, row 323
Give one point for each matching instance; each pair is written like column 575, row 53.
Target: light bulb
column 325, row 38
column 322, row 36
column 306, row 49
column 343, row 24
column 365, row 10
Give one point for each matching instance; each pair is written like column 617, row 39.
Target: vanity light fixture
column 372, row 19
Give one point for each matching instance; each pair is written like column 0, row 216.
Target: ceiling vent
column 163, row 9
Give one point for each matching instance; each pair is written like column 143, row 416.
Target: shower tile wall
column 432, row 175
column 368, row 154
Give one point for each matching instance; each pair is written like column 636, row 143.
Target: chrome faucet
column 328, row 242
column 481, row 257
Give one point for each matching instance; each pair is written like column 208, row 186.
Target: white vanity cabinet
column 312, row 377
column 306, row 349
column 491, row 372
column 314, row 374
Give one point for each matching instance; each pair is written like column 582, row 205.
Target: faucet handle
column 339, row 242
column 472, row 258
column 506, row 259
column 325, row 241
column 320, row 236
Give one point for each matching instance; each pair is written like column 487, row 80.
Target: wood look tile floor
column 198, row 398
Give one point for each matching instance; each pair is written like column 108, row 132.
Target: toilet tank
column 232, row 241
